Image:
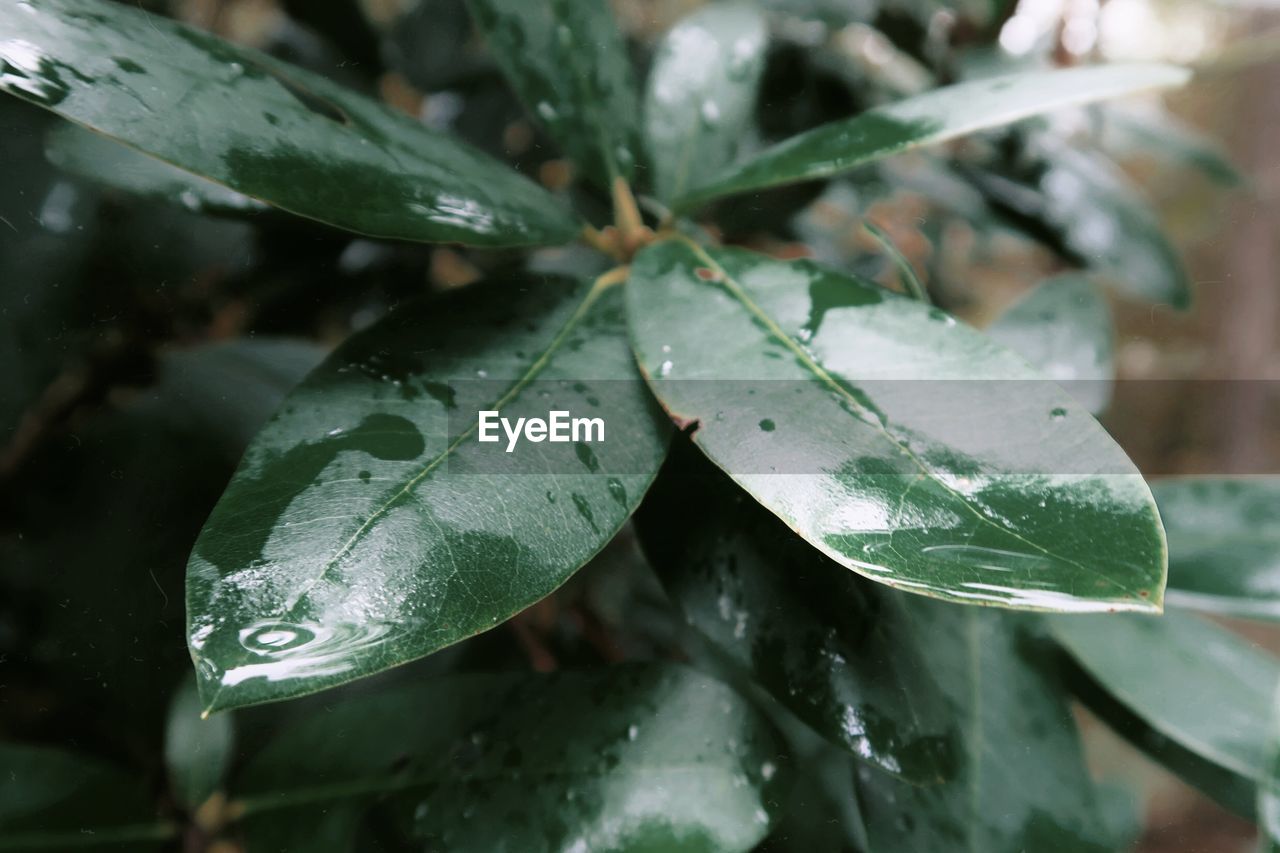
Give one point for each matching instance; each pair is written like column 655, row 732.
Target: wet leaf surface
column 834, row 649
column 1202, row 686
column 263, row 128
column 701, row 94
column 367, row 526
column 1022, row 784
column 863, row 419
column 97, row 158
column 933, row 117
column 567, row 61
column 1224, row 543
column 1063, row 327
column 56, row 800
column 632, row 757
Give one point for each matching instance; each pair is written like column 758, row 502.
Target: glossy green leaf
column 1063, row 327
column 1099, row 217
column 1229, row 789
column 933, row 117
column 701, row 94
column 867, row 422
column 1202, row 686
column 263, row 128
column 1022, row 784
column 567, row 61
column 367, row 525
column 1224, row 543
column 832, row 648
column 197, row 751
column 1269, row 790
column 634, row 757
column 55, row 800
column 97, row 158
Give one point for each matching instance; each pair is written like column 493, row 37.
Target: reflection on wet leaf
column 831, row 647
column 883, row 452
column 364, row 529
column 265, row 129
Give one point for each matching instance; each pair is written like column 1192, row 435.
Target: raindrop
column 1058, row 414
column 710, row 113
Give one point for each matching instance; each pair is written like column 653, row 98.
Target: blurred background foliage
column 143, row 342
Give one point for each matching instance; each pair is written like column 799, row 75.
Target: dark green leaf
column 1063, row 327
column 1202, row 686
column 828, row 645
column 1231, row 790
column 642, row 757
column 701, row 94
column 1022, row 784
column 878, row 413
column 567, row 62
column 47, row 227
column 1224, row 543
column 328, row 826
column 54, row 800
column 263, row 128
column 107, row 601
column 196, row 751
column 1269, row 791
column 367, row 526
column 930, row 118
column 95, row 157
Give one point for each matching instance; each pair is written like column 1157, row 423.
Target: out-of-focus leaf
column 197, row 751
column 907, row 277
column 47, row 226
column 1224, row 543
column 1269, row 791
column 1063, row 327
column 567, row 61
column 1202, row 686
column 1099, row 217
column 108, row 600
column 329, row 826
column 431, row 44
column 701, row 94
column 863, row 419
column 1230, row 789
column 367, row 526
column 1022, row 784
column 640, row 757
column 930, row 118
column 263, row 128
column 55, row 800
column 95, row 157
column 1158, row 133
column 829, row 646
